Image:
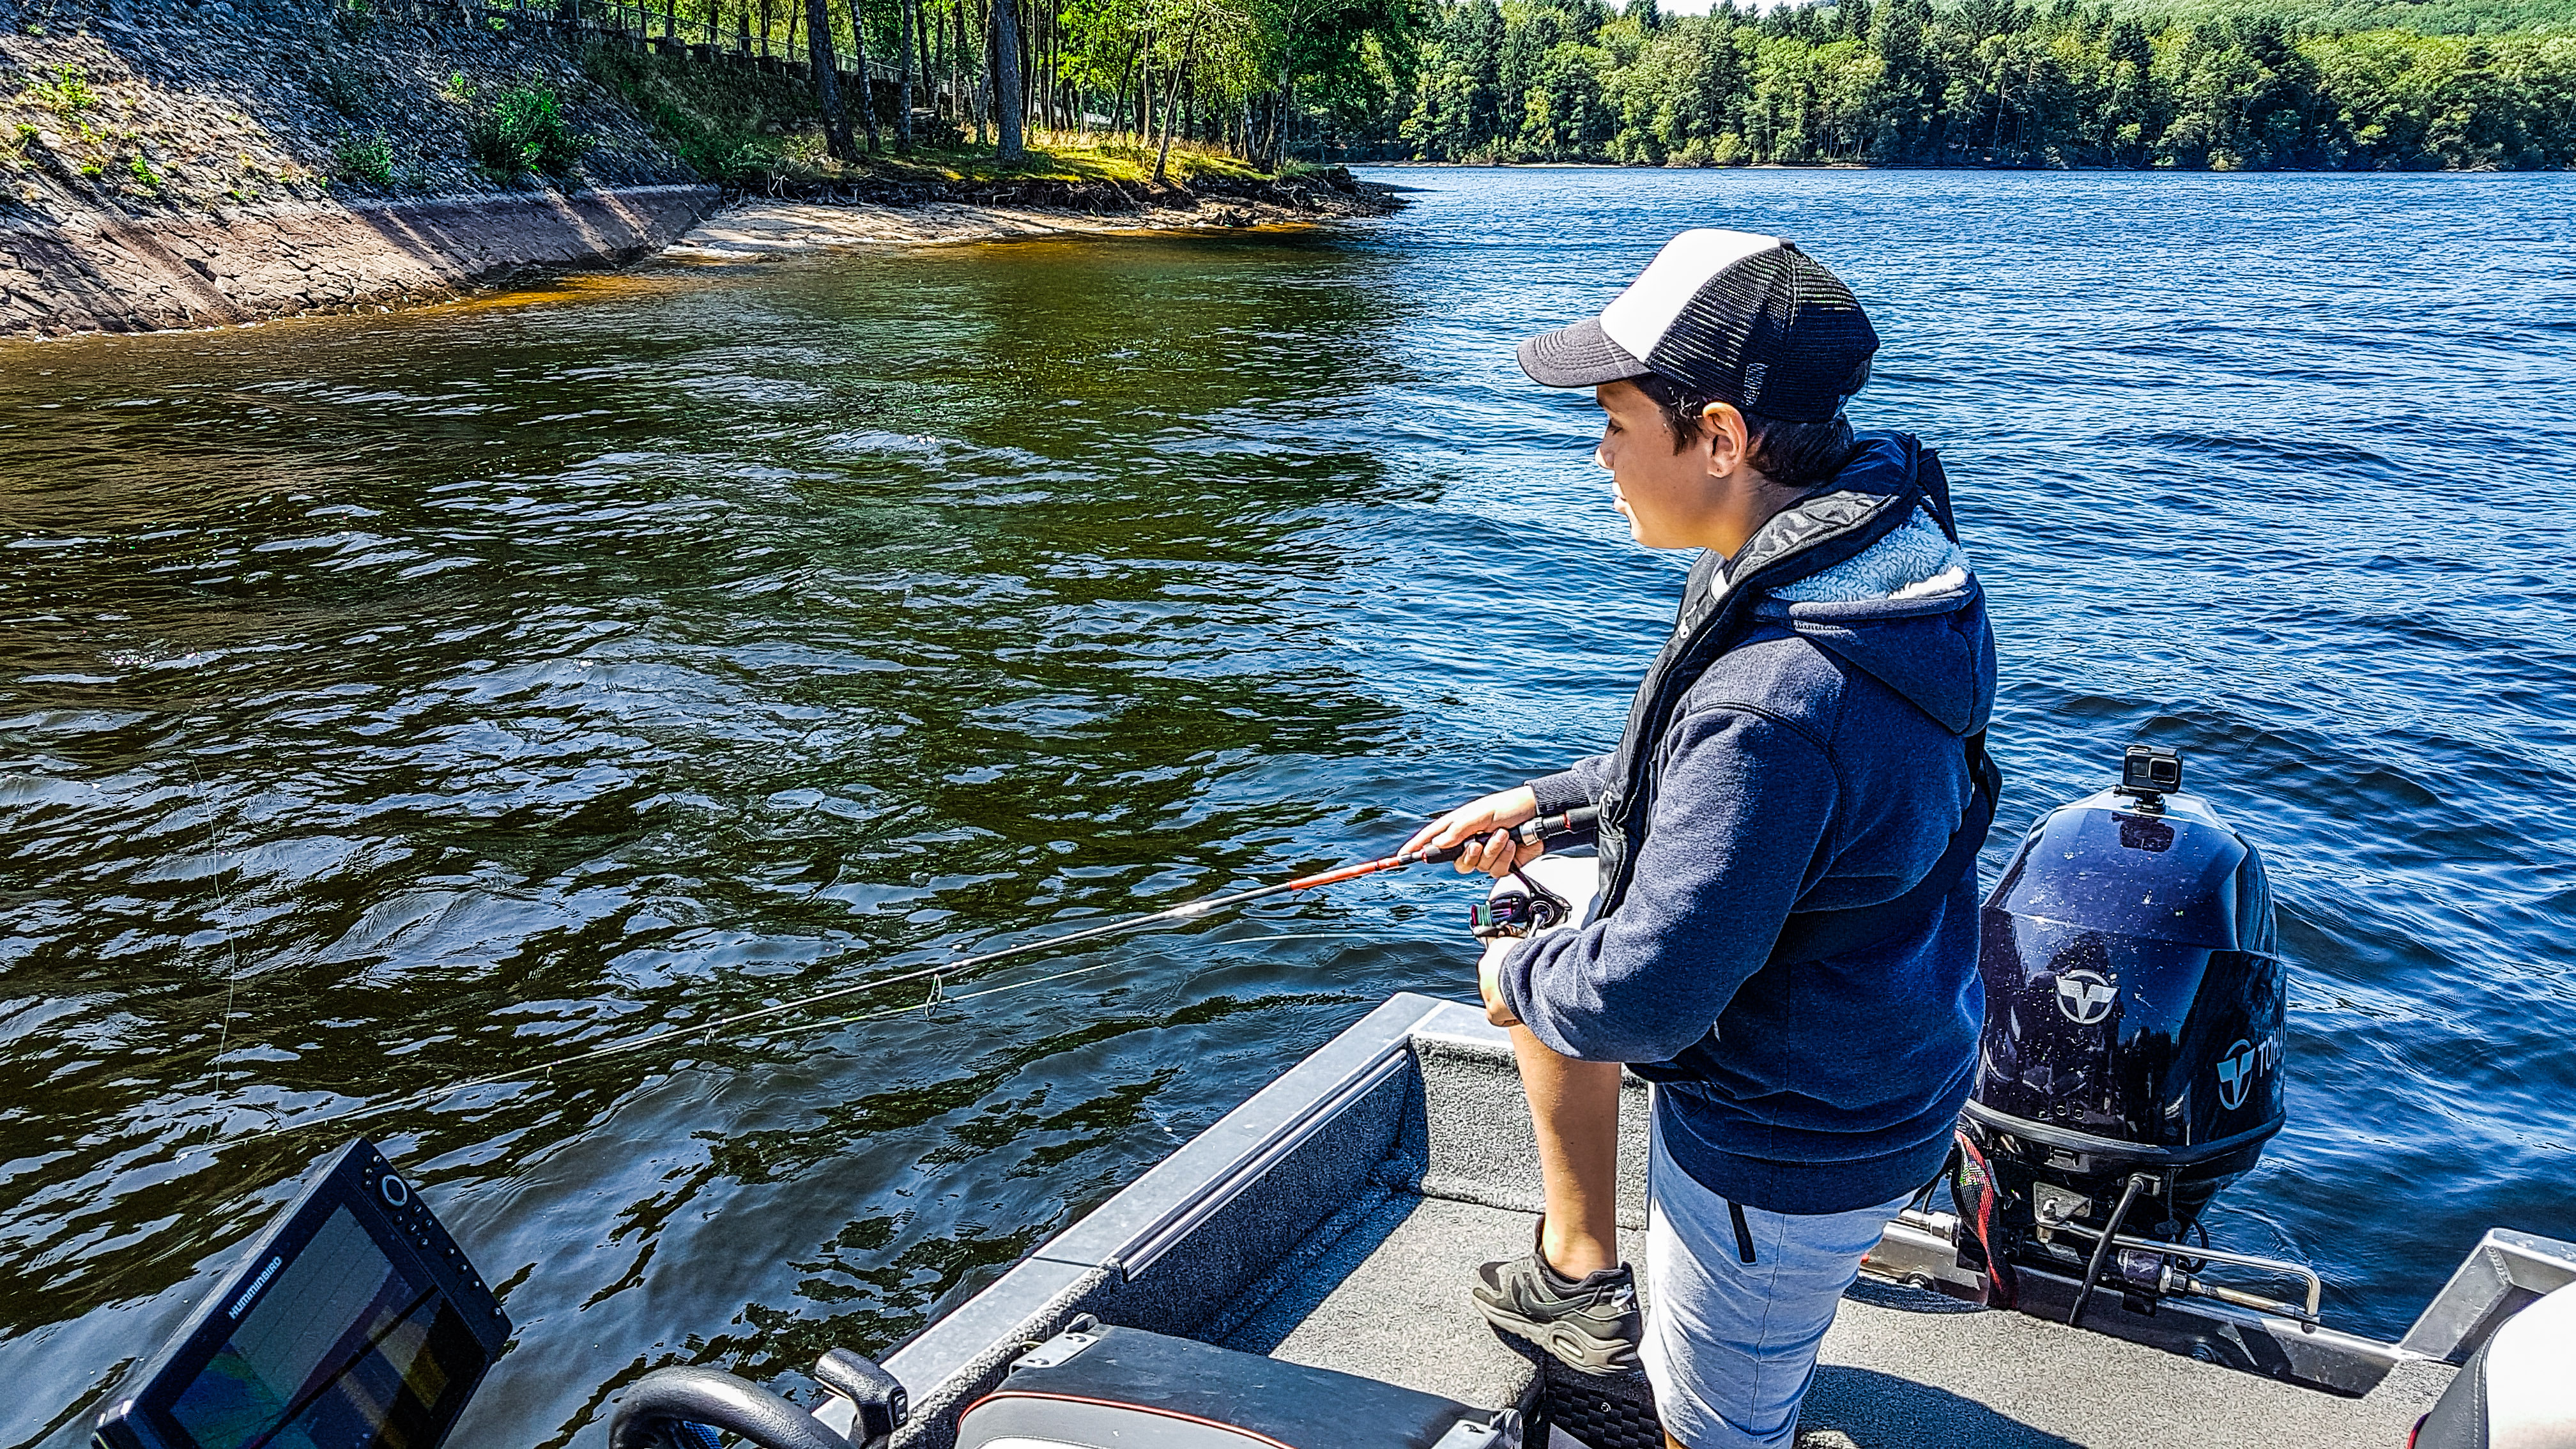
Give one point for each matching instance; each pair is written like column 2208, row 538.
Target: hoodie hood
column 1906, row 610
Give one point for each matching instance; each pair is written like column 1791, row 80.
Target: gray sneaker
column 1591, row 1325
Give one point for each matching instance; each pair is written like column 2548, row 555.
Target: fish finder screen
column 343, row 1351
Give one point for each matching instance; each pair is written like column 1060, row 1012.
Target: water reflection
column 458, row 690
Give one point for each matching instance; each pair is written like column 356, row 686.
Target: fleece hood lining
column 1913, row 560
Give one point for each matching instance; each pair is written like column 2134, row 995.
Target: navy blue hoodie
column 1816, row 765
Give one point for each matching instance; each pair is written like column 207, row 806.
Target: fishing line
column 1546, row 828
column 927, row 1008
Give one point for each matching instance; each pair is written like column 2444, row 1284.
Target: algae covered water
column 385, row 702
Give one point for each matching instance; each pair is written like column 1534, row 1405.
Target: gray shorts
column 1730, row 1347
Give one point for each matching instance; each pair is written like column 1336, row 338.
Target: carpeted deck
column 1899, row 1370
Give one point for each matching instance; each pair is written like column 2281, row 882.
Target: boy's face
column 1666, row 493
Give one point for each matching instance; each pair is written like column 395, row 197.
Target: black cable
column 2102, row 1249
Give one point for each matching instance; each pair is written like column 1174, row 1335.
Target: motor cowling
column 2133, row 1009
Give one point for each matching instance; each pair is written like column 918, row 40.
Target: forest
column 2183, row 84
column 1987, row 82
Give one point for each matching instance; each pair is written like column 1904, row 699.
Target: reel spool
column 1551, row 891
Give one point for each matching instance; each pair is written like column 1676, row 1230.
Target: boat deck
column 1335, row 1220
column 1900, row 1368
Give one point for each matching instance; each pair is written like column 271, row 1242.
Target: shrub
column 68, row 92
column 340, row 90
column 143, row 174
column 364, row 158
column 525, row 131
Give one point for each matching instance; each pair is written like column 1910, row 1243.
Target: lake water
column 388, row 701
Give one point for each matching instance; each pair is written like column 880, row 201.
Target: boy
column 1784, row 938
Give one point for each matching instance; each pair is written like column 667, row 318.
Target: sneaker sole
column 1580, row 1351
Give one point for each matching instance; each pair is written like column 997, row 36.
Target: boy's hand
column 1485, row 826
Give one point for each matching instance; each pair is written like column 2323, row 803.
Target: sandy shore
column 773, row 228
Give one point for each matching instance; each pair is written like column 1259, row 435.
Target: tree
column 867, row 83
column 827, row 87
column 1012, row 143
column 905, row 28
column 1999, row 82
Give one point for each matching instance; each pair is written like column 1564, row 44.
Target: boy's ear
column 1724, row 434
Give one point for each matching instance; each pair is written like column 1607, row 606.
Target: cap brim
column 1578, row 356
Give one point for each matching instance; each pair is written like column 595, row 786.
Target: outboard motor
column 2130, row 1065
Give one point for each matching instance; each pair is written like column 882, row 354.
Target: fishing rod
column 1546, row 829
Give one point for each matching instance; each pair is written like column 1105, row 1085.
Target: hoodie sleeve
column 1743, row 804
column 1576, row 785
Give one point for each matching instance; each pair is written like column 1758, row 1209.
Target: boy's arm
column 1739, row 815
column 1573, row 787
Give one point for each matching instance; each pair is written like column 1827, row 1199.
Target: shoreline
column 134, row 274
column 243, row 266
column 754, row 229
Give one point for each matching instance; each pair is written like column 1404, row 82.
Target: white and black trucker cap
column 1748, row 319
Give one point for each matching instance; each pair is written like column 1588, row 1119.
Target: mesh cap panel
column 1775, row 334
column 1749, row 319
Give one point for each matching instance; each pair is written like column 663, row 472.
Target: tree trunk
column 827, row 85
column 983, row 67
column 764, row 29
column 1028, row 63
column 921, row 24
column 1118, row 98
column 1012, row 142
column 1145, row 96
column 867, row 83
column 1282, row 138
column 903, row 99
column 1180, row 82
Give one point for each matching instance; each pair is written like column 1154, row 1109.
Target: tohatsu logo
column 2085, row 996
column 2237, row 1070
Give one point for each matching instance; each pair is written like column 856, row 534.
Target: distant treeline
column 1986, row 82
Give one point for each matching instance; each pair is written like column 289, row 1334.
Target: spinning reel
column 1515, row 912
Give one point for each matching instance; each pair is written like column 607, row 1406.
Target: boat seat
column 1096, row 1387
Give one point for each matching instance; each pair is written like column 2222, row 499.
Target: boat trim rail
column 2506, row 1270
column 1184, row 1217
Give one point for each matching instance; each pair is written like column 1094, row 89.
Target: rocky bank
column 190, row 163
column 167, row 164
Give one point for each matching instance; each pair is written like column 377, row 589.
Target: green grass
column 1076, row 156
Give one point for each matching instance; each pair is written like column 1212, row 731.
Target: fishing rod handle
column 1545, row 830
column 1564, row 823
